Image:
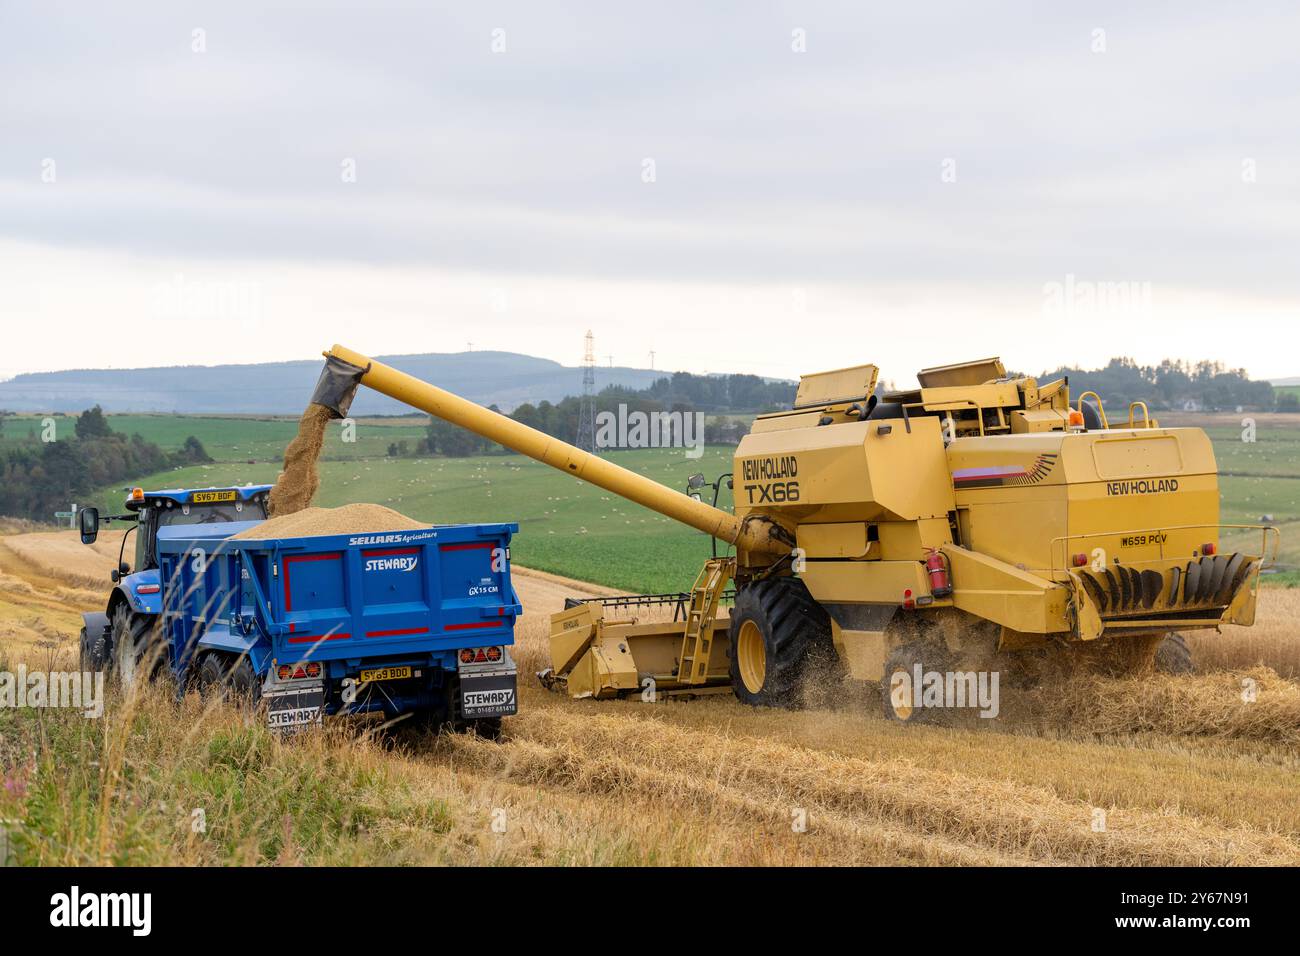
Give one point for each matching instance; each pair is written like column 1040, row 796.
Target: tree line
column 1200, row 386
column 46, row 470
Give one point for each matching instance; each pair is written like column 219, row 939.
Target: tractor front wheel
column 780, row 637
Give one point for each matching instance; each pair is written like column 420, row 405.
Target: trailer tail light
column 494, row 654
column 467, row 656
column 481, row 655
column 298, row 671
column 1080, row 559
column 1208, row 548
column 909, row 602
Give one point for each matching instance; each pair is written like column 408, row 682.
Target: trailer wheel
column 489, row 728
column 1173, row 656
column 236, row 681
column 779, row 637
column 897, row 688
column 211, row 674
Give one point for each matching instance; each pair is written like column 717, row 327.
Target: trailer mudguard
column 224, row 639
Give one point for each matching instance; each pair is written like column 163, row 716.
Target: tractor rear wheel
column 1173, row 656
column 124, row 651
column 780, row 637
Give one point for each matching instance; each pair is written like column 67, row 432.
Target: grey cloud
column 822, row 166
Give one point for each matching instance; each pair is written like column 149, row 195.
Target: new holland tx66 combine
column 974, row 515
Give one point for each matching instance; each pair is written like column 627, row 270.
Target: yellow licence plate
column 207, row 497
column 385, row 673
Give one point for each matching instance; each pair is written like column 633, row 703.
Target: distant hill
column 506, row 379
column 1285, row 382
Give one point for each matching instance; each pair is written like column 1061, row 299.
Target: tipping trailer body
column 411, row 621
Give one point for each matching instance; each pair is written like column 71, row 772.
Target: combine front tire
column 780, row 636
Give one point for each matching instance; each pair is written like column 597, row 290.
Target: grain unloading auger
column 875, row 534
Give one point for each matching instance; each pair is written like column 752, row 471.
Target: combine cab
column 979, row 513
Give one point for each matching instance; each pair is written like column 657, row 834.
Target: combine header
column 872, row 534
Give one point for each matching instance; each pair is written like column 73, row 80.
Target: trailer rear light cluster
column 1208, row 548
column 298, row 671
column 481, row 655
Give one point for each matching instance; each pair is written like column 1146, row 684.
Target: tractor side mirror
column 88, row 522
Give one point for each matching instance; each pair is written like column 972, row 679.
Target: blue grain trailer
column 410, row 622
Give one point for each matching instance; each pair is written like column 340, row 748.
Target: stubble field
column 1193, row 774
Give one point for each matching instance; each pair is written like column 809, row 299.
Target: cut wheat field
column 1181, row 770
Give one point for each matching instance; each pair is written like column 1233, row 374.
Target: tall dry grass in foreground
column 1183, row 770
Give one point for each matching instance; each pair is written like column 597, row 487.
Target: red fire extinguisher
column 937, row 567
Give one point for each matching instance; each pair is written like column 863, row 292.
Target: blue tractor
column 129, row 622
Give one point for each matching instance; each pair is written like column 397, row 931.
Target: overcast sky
column 767, row 187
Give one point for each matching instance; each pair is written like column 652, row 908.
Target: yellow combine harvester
column 875, row 534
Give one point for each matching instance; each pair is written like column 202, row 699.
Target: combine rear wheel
column 1173, row 656
column 899, row 691
column 780, row 637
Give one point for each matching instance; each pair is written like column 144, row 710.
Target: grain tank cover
column 979, row 372
column 839, row 387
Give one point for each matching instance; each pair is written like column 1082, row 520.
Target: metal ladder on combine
column 697, row 642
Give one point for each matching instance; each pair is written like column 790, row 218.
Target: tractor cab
column 136, row 599
column 152, row 510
